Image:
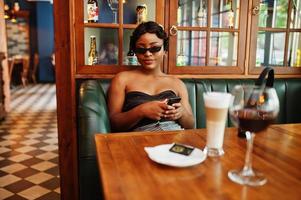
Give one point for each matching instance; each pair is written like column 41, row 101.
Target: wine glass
column 252, row 110
column 113, row 4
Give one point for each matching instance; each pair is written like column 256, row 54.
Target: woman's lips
column 148, row 62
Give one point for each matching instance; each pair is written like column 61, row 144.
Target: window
column 231, row 36
column 275, row 36
column 210, row 36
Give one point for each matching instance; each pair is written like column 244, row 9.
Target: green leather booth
column 93, row 118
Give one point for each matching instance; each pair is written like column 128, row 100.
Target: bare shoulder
column 176, row 81
column 122, row 77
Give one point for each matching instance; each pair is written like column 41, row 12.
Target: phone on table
column 181, row 149
column 173, row 100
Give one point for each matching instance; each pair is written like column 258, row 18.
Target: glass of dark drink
column 252, row 110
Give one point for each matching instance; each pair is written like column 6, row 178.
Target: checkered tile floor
column 28, row 146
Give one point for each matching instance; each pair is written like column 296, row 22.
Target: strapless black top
column 135, row 98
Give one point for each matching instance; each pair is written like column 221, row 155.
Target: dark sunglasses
column 144, row 50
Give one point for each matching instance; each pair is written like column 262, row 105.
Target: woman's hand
column 174, row 112
column 155, row 109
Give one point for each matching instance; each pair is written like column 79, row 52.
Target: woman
column 137, row 99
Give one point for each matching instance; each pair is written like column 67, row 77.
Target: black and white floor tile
column 28, row 145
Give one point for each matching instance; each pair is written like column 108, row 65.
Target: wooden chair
column 20, row 59
column 35, row 67
column 25, row 70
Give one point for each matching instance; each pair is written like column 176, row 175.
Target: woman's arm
column 187, row 119
column 182, row 111
column 123, row 121
column 120, row 121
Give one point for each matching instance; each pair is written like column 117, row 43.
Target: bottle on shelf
column 201, row 14
column 92, row 11
column 131, row 58
column 141, row 12
column 92, row 55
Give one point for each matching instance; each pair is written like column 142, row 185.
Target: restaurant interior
column 246, row 51
column 28, row 143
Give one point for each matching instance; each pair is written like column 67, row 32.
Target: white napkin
column 162, row 155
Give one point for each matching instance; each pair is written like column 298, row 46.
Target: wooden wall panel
column 65, row 82
column 3, row 48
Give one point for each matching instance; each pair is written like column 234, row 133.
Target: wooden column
column 66, row 107
column 3, row 48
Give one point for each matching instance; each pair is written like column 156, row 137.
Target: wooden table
column 20, row 59
column 127, row 172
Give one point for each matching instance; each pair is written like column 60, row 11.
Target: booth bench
column 93, row 118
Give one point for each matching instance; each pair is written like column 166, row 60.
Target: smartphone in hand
column 173, row 100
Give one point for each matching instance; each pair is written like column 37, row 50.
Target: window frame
column 281, row 70
column 199, row 70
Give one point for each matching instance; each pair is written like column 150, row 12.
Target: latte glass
column 216, row 106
